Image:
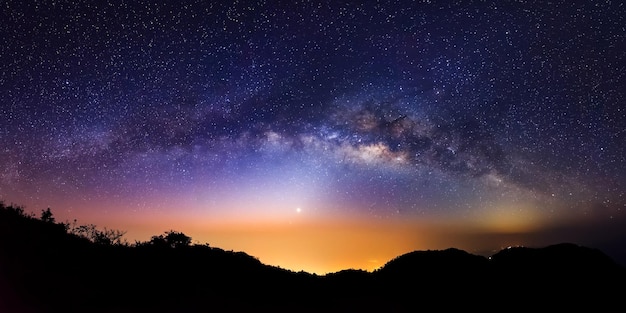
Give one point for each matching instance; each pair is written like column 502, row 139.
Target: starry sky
column 320, row 135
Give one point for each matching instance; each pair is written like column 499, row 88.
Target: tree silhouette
column 46, row 216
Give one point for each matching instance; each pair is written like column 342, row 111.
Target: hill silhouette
column 47, row 266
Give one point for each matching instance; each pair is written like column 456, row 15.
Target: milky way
column 473, row 111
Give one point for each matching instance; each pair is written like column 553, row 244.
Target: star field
column 498, row 117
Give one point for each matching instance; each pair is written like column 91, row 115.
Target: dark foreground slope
column 43, row 268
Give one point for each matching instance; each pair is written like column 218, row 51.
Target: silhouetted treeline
column 48, row 266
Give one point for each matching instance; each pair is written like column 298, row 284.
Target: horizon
column 364, row 245
column 320, row 136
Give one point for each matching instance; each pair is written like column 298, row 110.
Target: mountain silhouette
column 47, row 266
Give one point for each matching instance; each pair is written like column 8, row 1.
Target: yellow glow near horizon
column 313, row 245
column 509, row 218
column 299, row 238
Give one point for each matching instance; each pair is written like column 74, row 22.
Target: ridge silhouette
column 47, row 266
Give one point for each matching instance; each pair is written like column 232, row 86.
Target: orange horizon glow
column 323, row 245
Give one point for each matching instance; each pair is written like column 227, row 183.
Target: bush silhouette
column 171, row 239
column 93, row 234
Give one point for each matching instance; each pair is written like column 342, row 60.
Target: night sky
column 320, row 135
